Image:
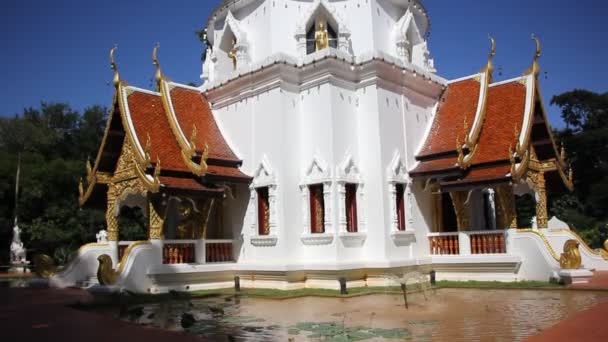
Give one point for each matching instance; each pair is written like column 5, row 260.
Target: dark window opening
column 263, row 211
column 351, row 208
column 400, row 206
column 448, row 219
column 317, row 209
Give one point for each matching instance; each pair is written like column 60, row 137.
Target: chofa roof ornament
column 116, row 79
column 535, row 68
column 489, row 68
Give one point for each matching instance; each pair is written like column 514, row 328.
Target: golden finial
column 511, row 155
column 535, row 68
column 89, row 168
column 80, row 187
column 204, row 157
column 571, row 175
column 489, row 68
column 157, row 168
column 113, row 66
column 193, row 138
column 159, row 75
column 538, row 50
column 147, row 148
column 562, row 153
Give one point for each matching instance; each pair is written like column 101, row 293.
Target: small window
column 317, row 209
column 400, row 206
column 263, row 211
column 351, row 208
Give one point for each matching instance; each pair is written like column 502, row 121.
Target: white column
column 464, row 243
column 199, row 251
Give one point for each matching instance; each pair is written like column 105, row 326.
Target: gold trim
column 106, row 274
column 582, row 242
column 188, row 148
column 471, row 138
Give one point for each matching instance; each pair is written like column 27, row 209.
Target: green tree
column 54, row 142
column 586, row 140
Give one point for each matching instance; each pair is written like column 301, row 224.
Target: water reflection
column 449, row 314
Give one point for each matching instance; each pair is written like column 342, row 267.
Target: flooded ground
column 447, row 315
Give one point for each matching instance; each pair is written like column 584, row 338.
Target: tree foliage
column 586, row 141
column 54, row 142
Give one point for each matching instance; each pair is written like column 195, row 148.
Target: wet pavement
column 29, row 314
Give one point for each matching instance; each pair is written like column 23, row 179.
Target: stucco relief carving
column 410, row 45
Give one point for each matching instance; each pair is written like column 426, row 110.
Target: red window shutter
column 351, row 208
column 317, row 209
column 263, row 211
column 400, row 206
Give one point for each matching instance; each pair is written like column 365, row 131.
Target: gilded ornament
column 44, row 266
column 105, row 273
column 116, row 79
column 321, row 38
column 570, row 259
column 535, row 68
column 193, row 138
column 233, row 55
column 158, row 76
column 80, row 188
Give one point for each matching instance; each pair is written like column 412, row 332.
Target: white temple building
column 323, row 144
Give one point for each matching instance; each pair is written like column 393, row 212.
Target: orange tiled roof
column 149, row 118
column 187, row 184
column 435, row 166
column 192, row 108
column 504, row 115
column 459, row 101
column 495, row 173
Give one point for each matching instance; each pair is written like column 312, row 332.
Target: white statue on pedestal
column 17, row 249
column 102, row 236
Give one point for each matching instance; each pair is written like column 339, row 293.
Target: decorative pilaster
column 111, row 219
column 458, row 200
column 507, row 214
column 539, row 184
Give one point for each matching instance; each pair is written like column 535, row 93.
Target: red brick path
column 587, row 325
column 43, row 315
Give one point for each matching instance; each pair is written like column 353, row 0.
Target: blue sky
column 58, row 50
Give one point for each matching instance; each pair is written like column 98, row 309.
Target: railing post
column 199, row 251
column 464, row 241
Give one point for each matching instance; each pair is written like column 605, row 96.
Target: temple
column 326, row 148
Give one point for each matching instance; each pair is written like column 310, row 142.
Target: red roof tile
column 504, row 114
column 186, row 184
column 482, row 175
column 192, row 108
column 435, row 166
column 458, row 102
column 149, row 118
column 228, row 172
